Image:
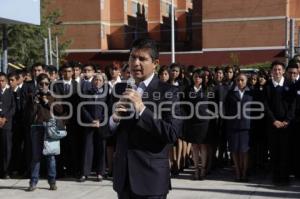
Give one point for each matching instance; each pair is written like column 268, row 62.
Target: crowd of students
column 221, row 136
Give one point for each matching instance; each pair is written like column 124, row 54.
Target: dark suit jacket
column 74, row 99
column 279, row 104
column 142, row 146
column 92, row 112
column 233, row 103
column 297, row 101
column 8, row 107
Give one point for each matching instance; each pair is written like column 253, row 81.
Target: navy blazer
column 92, row 112
column 233, row 103
column 74, row 99
column 142, row 145
column 7, row 107
column 279, row 105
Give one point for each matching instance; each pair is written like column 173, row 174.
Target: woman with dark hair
column 253, row 80
column 197, row 127
column 229, row 74
column 179, row 153
column 163, row 73
column 258, row 137
column 238, row 126
column 40, row 104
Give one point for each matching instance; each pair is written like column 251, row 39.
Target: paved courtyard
column 217, row 186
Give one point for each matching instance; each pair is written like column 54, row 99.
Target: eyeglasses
column 44, row 83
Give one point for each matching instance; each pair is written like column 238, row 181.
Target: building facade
column 207, row 32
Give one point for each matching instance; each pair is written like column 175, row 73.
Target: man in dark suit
column 280, row 109
column 141, row 165
column 18, row 161
column 293, row 76
column 7, row 110
column 65, row 89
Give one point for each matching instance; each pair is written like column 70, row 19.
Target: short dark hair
column 64, row 66
column 38, row 64
column 199, row 72
column 2, row 74
column 91, row 65
column 219, row 68
column 14, row 74
column 75, row 64
column 146, row 43
column 162, row 69
column 41, row 77
column 227, row 68
column 51, row 68
column 276, row 62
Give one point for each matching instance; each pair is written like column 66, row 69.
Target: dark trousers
column 5, row 150
column 127, row 193
column 71, row 151
column 18, row 160
column 94, row 149
column 279, row 148
column 295, row 149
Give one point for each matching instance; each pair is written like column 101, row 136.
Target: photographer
column 40, row 107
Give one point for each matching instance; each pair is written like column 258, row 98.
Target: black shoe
column 53, row 187
column 31, row 188
column 82, row 179
column 244, row 179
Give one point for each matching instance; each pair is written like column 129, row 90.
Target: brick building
column 208, row 32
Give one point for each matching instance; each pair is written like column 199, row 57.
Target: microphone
column 131, row 84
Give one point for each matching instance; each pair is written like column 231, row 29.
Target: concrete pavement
column 219, row 185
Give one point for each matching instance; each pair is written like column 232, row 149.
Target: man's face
column 38, row 70
column 77, row 72
column 241, row 82
column 292, row 74
column 67, row 73
column 88, row 72
column 21, row 79
column 53, row 75
column 13, row 82
column 277, row 72
column 3, row 82
column 141, row 64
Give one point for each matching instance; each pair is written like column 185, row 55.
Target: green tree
column 26, row 42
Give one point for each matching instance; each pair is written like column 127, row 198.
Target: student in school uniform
column 280, row 109
column 238, row 126
column 7, row 110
